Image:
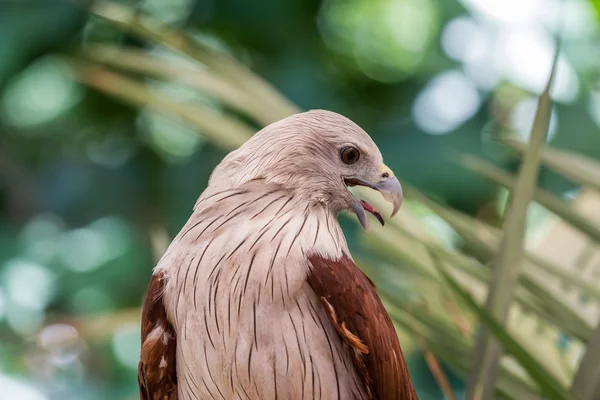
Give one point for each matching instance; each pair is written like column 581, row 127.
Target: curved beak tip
column 391, row 190
column 397, row 203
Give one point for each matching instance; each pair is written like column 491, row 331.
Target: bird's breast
column 248, row 324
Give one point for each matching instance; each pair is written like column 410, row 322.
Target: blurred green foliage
column 91, row 188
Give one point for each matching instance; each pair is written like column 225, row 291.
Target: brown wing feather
column 350, row 300
column 157, row 375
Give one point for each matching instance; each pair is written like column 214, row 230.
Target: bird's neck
column 260, row 210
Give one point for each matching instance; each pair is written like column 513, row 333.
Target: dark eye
column 349, row 155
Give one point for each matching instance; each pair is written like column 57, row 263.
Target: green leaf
column 558, row 206
column 224, row 131
column 576, row 167
column 483, row 240
column 586, row 384
column 147, row 28
column 596, row 5
column 506, row 264
column 191, row 75
column 547, row 384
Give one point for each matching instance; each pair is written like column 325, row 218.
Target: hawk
column 258, row 297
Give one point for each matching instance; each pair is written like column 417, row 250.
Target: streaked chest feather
column 248, row 324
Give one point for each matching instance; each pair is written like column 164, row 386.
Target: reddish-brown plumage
column 157, row 373
column 350, row 300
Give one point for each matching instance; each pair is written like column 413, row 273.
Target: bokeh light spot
column 594, row 107
column 126, row 345
column 387, row 38
column 40, row 237
column 171, row 138
column 111, row 151
column 459, row 35
column 88, row 248
column 62, row 342
column 467, row 40
column 82, row 249
column 115, row 233
column 510, row 11
column 446, row 102
column 525, row 57
column 91, row 299
column 40, row 93
column 53, row 335
column 18, row 389
column 28, row 283
column 580, row 21
column 23, row 320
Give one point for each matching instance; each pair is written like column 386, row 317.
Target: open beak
column 390, row 189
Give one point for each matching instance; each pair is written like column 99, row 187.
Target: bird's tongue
column 373, row 211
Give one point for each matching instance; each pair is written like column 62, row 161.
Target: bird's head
column 318, row 155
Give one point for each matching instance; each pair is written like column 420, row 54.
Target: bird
column 258, row 296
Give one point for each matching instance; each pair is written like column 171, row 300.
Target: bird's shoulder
column 350, row 300
column 157, row 373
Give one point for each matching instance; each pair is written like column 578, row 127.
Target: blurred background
column 102, row 155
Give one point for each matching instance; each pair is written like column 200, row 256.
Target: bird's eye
column 349, row 155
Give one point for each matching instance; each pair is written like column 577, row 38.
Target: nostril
column 385, row 175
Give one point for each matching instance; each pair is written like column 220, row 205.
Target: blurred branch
column 452, row 348
column 555, row 204
column 159, row 241
column 459, row 319
column 148, row 28
column 223, row 130
column 548, row 384
column 507, row 262
column 576, row 167
column 485, row 240
column 195, row 77
column 405, row 249
column 96, row 327
column 438, row 373
column 586, row 384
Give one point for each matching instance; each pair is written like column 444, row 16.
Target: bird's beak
column 386, row 184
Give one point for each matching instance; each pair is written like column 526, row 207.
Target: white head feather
column 301, row 153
